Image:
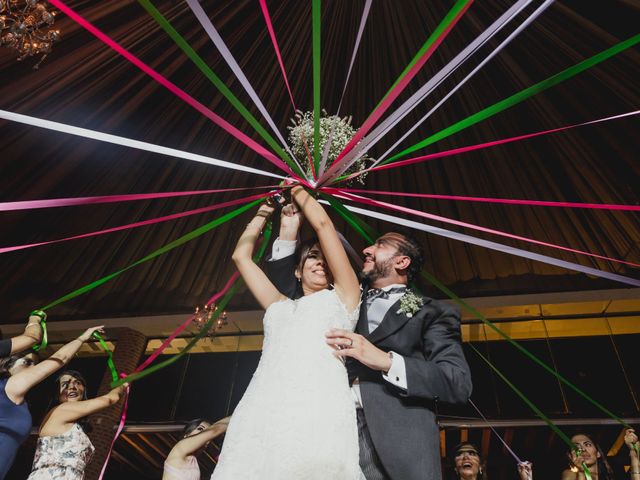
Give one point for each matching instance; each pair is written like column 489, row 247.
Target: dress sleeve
column 5, row 348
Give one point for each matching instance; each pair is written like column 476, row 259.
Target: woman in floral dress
column 64, row 450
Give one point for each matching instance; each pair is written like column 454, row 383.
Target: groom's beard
column 380, row 270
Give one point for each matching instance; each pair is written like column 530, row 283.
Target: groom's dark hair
column 412, row 249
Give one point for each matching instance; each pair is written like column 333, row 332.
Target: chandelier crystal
column 25, row 26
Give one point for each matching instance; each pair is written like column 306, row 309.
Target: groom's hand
column 349, row 344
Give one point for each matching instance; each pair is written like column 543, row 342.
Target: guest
column 469, row 465
column 631, row 439
column 64, row 449
column 32, row 335
column 181, row 463
column 589, row 453
column 18, row 374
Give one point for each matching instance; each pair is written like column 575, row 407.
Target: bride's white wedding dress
column 297, row 418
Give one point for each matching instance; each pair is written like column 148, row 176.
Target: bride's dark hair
column 302, row 252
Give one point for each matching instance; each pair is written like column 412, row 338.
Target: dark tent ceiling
column 85, row 84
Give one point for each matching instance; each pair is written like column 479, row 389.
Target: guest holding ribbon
column 181, row 463
column 631, row 440
column 590, row 454
column 64, row 450
column 469, row 465
column 18, row 374
column 32, row 335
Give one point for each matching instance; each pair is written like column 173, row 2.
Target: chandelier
column 25, row 28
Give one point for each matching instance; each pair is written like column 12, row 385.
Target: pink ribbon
column 172, row 87
column 393, row 94
column 184, row 325
column 272, row 34
column 68, row 202
column 471, row 148
column 123, row 418
column 508, row 201
column 376, row 203
column 138, row 224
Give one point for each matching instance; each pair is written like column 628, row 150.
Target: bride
column 297, row 419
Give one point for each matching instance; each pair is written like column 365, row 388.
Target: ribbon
column 137, row 375
column 184, row 96
column 497, row 50
column 495, row 246
column 425, row 52
column 315, row 32
column 123, row 418
column 43, row 326
column 522, row 95
column 143, row 223
column 346, row 213
column 166, row 248
column 219, row 84
column 184, row 325
column 390, row 206
column 393, row 119
column 110, row 364
column 267, row 19
column 128, row 142
column 73, row 201
column 480, row 146
column 511, row 452
column 506, row 201
column 244, row 81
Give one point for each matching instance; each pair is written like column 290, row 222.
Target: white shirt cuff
column 397, row 374
column 282, row 248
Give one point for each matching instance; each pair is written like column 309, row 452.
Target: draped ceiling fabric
column 84, row 83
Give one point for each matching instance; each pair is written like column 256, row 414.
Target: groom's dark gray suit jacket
column 402, row 423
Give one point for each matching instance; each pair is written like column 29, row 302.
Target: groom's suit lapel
column 391, row 323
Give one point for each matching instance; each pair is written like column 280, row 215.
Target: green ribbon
column 170, row 246
column 520, row 96
column 219, row 84
column 435, row 35
column 315, row 18
column 110, row 364
column 346, row 213
column 43, row 326
column 221, row 306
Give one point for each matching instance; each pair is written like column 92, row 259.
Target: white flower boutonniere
column 410, row 303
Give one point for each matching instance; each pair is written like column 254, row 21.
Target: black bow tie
column 374, row 293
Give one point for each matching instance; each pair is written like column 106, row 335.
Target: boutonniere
column 410, row 303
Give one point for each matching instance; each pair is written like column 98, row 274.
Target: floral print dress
column 62, row 457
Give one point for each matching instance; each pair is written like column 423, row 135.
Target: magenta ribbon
column 272, row 34
column 397, row 90
column 184, row 325
column 123, row 418
column 139, row 224
column 471, row 148
column 184, row 96
column 68, row 202
column 390, row 206
column 508, row 201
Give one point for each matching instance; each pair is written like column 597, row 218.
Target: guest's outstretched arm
column 71, row 412
column 32, row 335
column 192, row 444
column 19, row 384
column 346, row 281
column 259, row 285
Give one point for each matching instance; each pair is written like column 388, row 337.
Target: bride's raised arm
column 345, row 279
column 261, row 287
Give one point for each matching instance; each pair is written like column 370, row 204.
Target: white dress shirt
column 397, row 374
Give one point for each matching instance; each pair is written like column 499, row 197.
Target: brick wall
column 130, row 346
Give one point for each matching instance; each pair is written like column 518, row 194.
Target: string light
column 203, row 315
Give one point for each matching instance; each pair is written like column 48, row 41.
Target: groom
column 403, row 359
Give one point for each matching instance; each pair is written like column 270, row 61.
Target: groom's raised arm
column 281, row 265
